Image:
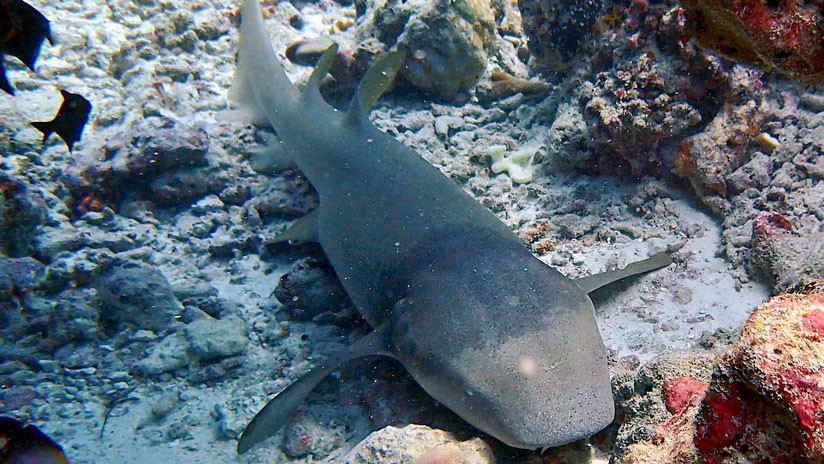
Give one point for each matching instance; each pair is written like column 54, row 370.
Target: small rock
column 310, row 291
column 136, row 294
column 417, row 444
column 211, row 339
column 166, row 356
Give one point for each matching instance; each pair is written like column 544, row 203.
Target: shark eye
column 469, row 392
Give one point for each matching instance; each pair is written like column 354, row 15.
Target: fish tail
column 46, row 127
column 261, row 87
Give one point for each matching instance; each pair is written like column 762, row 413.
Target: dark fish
column 22, row 32
column 5, row 85
column 69, row 121
column 27, row 445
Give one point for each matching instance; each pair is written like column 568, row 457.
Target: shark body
column 505, row 341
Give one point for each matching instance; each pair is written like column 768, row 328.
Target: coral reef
column 780, row 36
column 763, row 403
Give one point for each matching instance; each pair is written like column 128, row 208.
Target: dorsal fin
column 374, row 83
column 591, row 283
column 324, row 64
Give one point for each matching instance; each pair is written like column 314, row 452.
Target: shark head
column 525, row 363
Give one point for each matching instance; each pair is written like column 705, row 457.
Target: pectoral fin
column 591, row 283
column 281, row 407
column 304, row 229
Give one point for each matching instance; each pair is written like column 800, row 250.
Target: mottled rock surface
column 447, row 43
column 764, row 402
column 417, row 444
column 137, row 295
column 783, row 37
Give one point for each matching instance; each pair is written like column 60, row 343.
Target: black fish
column 69, row 121
column 5, row 85
column 27, row 445
column 22, row 32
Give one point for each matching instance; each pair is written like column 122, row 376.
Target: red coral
column 681, row 392
column 783, row 36
column 725, row 416
column 813, row 322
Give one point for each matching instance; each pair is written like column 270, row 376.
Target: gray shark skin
column 505, row 341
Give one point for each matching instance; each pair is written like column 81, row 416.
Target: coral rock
column 781, row 355
column 448, row 42
column 782, row 36
column 418, row 444
column 557, row 29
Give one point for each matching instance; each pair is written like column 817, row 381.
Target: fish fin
column 5, row 85
column 46, row 127
column 312, row 89
column 377, row 80
column 304, row 229
column 260, row 85
column 270, row 156
column 280, row 408
column 244, row 114
column 591, row 283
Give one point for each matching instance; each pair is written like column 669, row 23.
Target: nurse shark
column 505, row 341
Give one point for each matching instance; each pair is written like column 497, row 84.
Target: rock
column 783, row 37
column 307, row 436
column 767, row 397
column 283, row 197
column 418, row 444
column 659, row 406
column 568, row 137
column 448, row 42
column 791, row 262
column 52, row 240
column 310, row 291
column 22, row 274
column 185, row 185
column 764, row 402
column 558, row 28
column 204, row 340
column 138, row 158
column 166, row 356
column 74, row 318
column 136, row 294
column 211, row 339
column 21, row 212
column 199, row 294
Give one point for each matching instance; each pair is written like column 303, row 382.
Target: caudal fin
column 260, row 89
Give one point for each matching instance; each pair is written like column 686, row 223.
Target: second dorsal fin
column 324, row 64
column 374, row 83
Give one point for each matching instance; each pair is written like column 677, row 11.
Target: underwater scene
column 412, row 231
